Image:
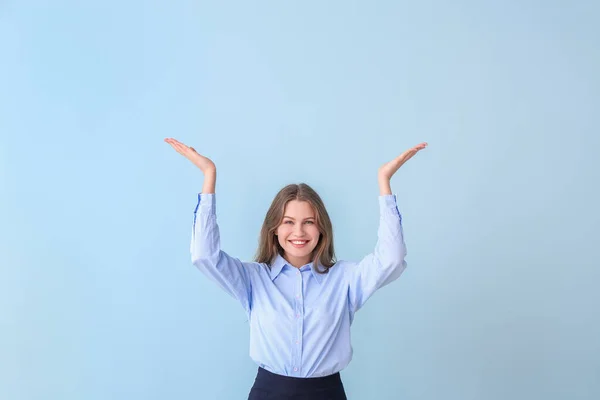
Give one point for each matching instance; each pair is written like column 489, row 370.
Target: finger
column 411, row 152
column 180, row 147
column 186, row 150
column 176, row 148
column 175, row 141
column 406, row 158
column 406, row 155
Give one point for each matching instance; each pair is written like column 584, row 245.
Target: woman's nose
column 299, row 230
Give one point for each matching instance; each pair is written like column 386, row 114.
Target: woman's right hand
column 204, row 163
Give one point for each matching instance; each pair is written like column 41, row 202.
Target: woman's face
column 298, row 234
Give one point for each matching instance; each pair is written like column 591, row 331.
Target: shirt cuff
column 387, row 203
column 387, row 200
column 206, row 203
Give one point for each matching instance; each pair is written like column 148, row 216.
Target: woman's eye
column 310, row 222
column 288, row 222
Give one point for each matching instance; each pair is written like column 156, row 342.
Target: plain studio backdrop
column 98, row 296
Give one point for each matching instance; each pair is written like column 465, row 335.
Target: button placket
column 299, row 308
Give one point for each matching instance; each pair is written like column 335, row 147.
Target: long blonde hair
column 269, row 246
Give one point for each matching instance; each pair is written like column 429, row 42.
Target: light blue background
column 98, row 298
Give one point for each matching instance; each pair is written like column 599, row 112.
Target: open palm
column 387, row 170
column 202, row 162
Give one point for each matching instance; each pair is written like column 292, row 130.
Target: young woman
column 299, row 300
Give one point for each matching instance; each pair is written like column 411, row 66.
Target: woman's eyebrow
column 285, row 216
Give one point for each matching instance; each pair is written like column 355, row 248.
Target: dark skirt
column 270, row 386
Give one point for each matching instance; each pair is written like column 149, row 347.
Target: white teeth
column 299, row 241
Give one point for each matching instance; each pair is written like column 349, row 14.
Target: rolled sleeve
column 386, row 263
column 231, row 274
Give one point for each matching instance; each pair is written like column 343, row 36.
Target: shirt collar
column 281, row 262
column 276, row 266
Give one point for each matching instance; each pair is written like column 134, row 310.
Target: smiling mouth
column 298, row 243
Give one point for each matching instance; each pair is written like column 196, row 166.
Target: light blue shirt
column 300, row 319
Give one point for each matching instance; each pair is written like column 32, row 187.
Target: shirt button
column 297, row 296
column 295, row 369
column 297, row 342
column 297, row 315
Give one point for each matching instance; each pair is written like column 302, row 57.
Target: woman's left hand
column 387, row 170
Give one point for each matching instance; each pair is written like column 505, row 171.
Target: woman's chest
column 298, row 297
